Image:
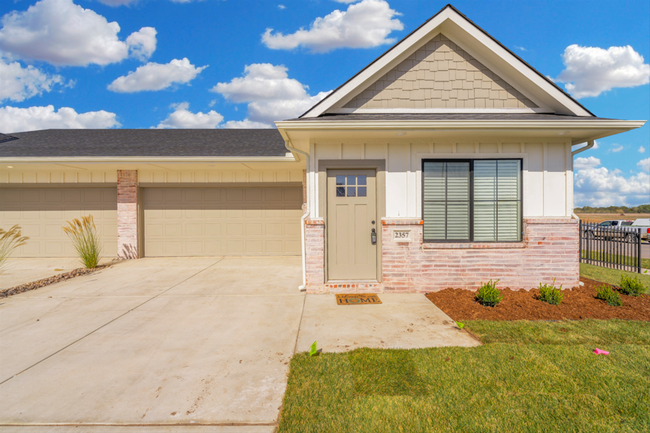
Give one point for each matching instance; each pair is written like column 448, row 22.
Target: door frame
column 379, row 165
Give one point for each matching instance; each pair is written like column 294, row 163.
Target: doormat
column 358, row 299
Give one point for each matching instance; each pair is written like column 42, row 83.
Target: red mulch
column 578, row 303
column 47, row 281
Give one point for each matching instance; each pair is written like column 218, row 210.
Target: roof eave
column 143, row 159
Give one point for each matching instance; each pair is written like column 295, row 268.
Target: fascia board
column 463, row 124
column 144, row 159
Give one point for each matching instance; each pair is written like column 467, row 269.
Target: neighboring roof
column 144, row 142
column 440, row 116
column 394, row 52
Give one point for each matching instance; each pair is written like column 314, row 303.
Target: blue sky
column 213, row 63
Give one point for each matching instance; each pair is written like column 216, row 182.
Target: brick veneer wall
column 127, row 214
column 315, row 254
column 549, row 250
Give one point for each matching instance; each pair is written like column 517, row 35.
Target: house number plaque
column 403, row 235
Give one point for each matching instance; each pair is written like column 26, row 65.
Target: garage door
column 222, row 221
column 42, row 213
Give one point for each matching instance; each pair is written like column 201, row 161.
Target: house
column 446, row 162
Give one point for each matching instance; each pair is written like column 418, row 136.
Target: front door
column 351, row 220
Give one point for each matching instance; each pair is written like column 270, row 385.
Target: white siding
column 547, row 170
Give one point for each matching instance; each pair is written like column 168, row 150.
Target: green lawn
column 528, row 377
column 610, row 276
column 618, row 258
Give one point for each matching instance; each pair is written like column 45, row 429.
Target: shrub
column 488, row 294
column 9, row 241
column 85, row 240
column 632, row 286
column 609, row 295
column 550, row 294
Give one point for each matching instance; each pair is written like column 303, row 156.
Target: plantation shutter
column 485, row 201
column 509, row 196
column 446, row 200
column 497, row 200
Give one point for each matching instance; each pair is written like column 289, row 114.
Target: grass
column 529, row 376
column 611, row 276
column 85, row 240
column 619, row 259
column 9, row 241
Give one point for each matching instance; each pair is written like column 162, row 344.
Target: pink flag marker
column 597, row 351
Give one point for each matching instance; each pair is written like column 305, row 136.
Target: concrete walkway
column 184, row 343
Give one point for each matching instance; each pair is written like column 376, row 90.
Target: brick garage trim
column 315, row 255
column 127, row 214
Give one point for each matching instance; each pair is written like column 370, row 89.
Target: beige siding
column 440, row 75
column 42, row 213
column 222, row 221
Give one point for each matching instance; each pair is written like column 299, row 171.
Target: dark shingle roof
column 441, row 116
column 5, row 137
column 144, row 142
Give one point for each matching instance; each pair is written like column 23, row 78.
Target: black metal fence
column 610, row 246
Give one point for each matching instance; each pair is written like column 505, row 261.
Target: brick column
column 127, row 214
column 315, row 254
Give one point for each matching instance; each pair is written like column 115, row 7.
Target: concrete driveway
column 183, row 343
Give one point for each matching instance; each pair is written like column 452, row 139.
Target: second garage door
column 222, row 221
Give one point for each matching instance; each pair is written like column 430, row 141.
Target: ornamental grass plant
column 9, row 241
column 85, row 239
column 550, row 294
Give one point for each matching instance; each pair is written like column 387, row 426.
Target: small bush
column 609, row 295
column 632, row 286
column 85, row 240
column 550, row 294
column 9, row 241
column 488, row 294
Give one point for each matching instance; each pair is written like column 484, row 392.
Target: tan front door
column 351, row 218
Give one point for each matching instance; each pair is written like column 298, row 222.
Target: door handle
column 373, row 236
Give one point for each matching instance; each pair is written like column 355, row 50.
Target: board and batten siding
column 18, row 176
column 547, row 171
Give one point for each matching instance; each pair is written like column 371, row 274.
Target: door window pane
column 340, row 180
column 361, row 180
column 352, row 191
column 340, row 191
column 352, row 180
column 361, row 191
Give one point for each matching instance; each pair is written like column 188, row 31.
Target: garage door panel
column 222, row 221
column 42, row 213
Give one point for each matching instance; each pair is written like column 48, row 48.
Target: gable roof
column 144, row 143
column 5, row 137
column 473, row 39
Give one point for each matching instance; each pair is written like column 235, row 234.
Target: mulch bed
column 47, row 281
column 578, row 303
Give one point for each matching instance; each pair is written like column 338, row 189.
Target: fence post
column 638, row 251
column 579, row 241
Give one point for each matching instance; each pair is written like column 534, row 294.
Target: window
column 472, row 200
column 351, row 186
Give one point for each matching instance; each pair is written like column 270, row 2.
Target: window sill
column 472, row 245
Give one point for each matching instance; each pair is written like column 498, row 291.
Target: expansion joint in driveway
column 111, row 321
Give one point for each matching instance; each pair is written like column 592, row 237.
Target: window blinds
column 446, row 200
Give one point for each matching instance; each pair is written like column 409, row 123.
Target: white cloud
column 598, row 186
column 65, row 34
column 644, row 164
column 591, row 71
column 346, row 1
column 13, row 119
column 244, row 124
column 282, row 7
column 270, row 93
column 18, row 83
column 641, row 149
column 363, row 25
column 156, row 76
column 183, row 118
column 617, row 148
column 582, row 163
column 117, row 2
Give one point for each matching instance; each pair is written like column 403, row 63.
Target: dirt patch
column 578, row 303
column 47, row 281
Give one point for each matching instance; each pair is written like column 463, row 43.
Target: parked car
column 611, row 230
column 644, row 225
